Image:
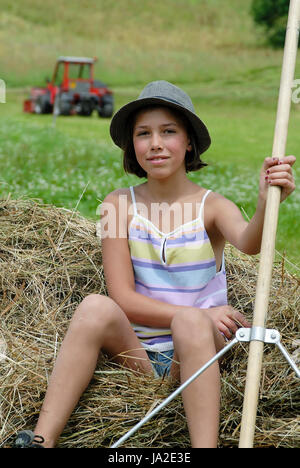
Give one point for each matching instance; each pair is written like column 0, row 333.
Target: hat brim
column 118, row 127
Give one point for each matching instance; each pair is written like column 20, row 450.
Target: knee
column 192, row 328
column 96, row 312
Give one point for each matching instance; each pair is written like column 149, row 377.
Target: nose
column 156, row 142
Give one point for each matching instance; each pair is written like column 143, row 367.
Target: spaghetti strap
column 201, row 210
column 133, row 200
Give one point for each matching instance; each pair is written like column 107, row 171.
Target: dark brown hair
column 192, row 158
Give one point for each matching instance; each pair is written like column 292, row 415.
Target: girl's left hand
column 277, row 172
column 227, row 319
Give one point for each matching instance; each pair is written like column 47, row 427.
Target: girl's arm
column 227, row 218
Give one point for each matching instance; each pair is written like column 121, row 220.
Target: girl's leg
column 196, row 341
column 97, row 324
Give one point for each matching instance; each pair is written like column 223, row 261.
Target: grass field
column 211, row 48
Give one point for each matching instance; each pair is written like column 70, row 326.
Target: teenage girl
column 162, row 242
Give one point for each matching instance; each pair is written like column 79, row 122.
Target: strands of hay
column 50, row 259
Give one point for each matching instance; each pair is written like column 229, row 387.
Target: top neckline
column 166, row 234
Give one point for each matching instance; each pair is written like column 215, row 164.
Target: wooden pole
column 269, row 231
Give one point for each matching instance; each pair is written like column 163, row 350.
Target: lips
column 157, row 158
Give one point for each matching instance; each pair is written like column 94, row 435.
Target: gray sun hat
column 166, row 94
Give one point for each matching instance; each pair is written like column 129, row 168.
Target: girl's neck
column 169, row 190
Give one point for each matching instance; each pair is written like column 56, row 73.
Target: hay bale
column 50, row 259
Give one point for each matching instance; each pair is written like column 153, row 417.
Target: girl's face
column 160, row 141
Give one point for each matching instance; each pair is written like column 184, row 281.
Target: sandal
column 27, row 439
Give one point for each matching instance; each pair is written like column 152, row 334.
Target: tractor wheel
column 107, row 106
column 64, row 104
column 106, row 110
column 85, row 108
column 42, row 105
column 64, row 108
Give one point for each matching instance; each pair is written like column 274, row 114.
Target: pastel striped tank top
column 178, row 267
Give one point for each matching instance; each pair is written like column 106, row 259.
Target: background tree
column 272, row 15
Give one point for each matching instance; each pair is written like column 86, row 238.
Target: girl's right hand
column 277, row 172
column 227, row 319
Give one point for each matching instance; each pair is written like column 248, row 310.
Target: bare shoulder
column 113, row 214
column 115, row 196
column 217, row 207
column 215, row 197
column 216, row 200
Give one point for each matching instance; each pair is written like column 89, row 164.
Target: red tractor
column 72, row 90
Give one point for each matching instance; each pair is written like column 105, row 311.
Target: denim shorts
column 161, row 362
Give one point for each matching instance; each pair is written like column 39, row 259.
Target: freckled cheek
column 140, row 149
column 178, row 151
column 140, row 153
column 178, row 145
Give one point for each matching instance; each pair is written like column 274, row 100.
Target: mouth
column 157, row 159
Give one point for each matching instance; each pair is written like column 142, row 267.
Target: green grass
column 211, row 48
column 182, row 40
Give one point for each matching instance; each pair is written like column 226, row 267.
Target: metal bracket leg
column 266, row 335
column 288, row 358
column 243, row 335
column 175, row 393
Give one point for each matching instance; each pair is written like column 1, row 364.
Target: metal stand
column 243, row 335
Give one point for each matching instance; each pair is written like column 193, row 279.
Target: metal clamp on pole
column 257, row 334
